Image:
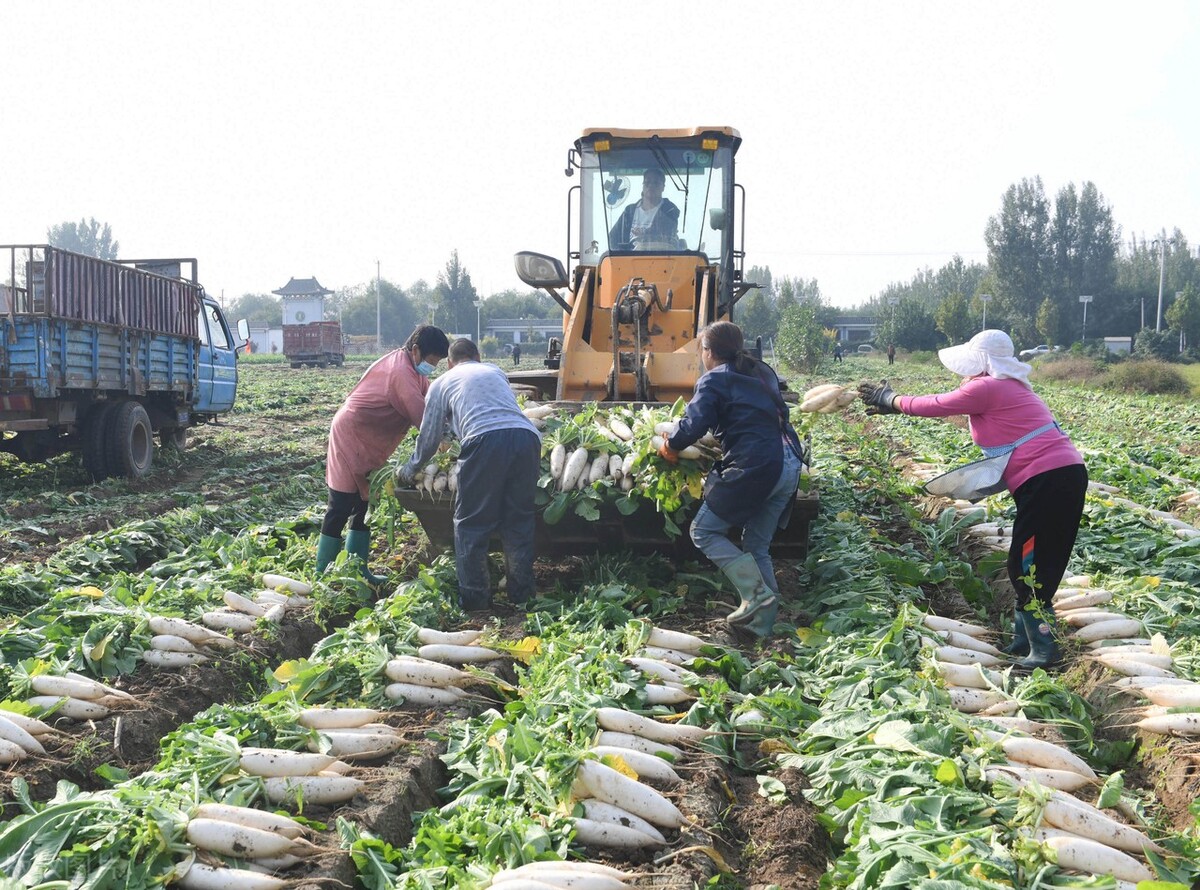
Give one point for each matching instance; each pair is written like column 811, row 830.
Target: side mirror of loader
column 539, row 270
column 716, row 218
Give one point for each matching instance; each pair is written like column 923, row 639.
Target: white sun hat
column 988, row 352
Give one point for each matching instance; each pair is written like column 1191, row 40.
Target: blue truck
column 100, row 357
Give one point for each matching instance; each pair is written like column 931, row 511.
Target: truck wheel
column 95, row 442
column 176, row 438
column 131, row 441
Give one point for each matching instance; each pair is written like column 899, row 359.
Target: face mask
column 425, row 369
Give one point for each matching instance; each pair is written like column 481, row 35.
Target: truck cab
column 217, row 383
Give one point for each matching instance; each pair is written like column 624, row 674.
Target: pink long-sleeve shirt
column 999, row 412
column 388, row 400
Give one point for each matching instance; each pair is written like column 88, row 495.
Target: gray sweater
column 472, row 398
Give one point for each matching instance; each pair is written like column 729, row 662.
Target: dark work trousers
column 1049, row 507
column 344, row 505
column 497, row 479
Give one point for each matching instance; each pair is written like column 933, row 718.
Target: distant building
column 517, row 330
column 1120, row 345
column 265, row 339
column 855, row 329
column 303, row 300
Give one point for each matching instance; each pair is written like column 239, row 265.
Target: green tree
column 86, row 236
column 756, row 316
column 1183, row 316
column 1085, row 242
column 396, row 313
column 953, row 318
column 802, row 341
column 258, row 308
column 1019, row 254
column 1049, row 322
column 455, row 297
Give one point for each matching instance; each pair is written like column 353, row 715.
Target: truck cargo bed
column 640, row 532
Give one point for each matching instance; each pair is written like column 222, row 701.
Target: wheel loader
column 657, row 254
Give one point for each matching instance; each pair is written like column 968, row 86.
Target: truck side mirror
column 539, row 270
column 243, row 329
column 716, row 218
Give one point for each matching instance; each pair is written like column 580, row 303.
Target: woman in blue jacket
column 753, row 485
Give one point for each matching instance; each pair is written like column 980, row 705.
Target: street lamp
column 985, row 299
column 1085, row 299
column 478, row 307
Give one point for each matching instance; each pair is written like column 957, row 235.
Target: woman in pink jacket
column 1045, row 473
column 384, row 404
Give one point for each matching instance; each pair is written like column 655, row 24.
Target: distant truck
column 318, row 343
column 100, row 357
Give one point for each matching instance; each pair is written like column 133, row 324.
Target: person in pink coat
column 1045, row 473
column 386, row 402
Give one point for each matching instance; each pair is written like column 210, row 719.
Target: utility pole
column 378, row 313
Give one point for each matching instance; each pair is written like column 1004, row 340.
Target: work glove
column 667, row 453
column 878, row 397
column 404, row 476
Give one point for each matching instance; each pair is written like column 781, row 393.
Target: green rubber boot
column 1019, row 646
column 743, row 572
column 328, row 547
column 1043, row 643
column 358, row 543
column 763, row 622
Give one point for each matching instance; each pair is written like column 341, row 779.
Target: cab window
column 220, row 339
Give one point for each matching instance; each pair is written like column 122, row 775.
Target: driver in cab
column 651, row 223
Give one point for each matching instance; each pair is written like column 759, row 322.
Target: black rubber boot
column 1044, row 651
column 1019, row 647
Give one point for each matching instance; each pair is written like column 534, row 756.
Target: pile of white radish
column 434, row 480
column 453, row 647
column 309, row 776
column 826, row 398
column 666, row 682
column 19, row 736
column 75, row 696
column 177, row 642
column 561, row 873
column 241, row 613
column 994, row 535
column 349, row 734
column 964, row 658
column 268, row 841
column 620, row 812
column 672, row 646
column 423, row 681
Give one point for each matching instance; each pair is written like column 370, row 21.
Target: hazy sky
column 280, row 139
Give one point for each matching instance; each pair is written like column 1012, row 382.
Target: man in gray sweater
column 498, row 467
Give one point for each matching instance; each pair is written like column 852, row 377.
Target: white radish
column 411, row 693
column 1017, row 724
column 598, row 469
column 358, row 746
column 457, row 654
column 11, row 752
column 659, row 694
column 573, row 469
column 609, row 785
column 627, row 483
column 645, row 765
column 1174, row 696
column 1135, row 649
column 538, row 412
column 1145, row 656
column 424, row 672
column 937, row 622
column 971, row 675
column 172, row 643
column 10, row 731
column 663, row 670
column 336, row 718
column 1038, row 753
column 240, row 603
column 1079, row 601
column 621, row 429
column 74, row 708
column 958, row 655
column 602, row 811
column 627, row 466
column 430, row 636
column 440, row 482
column 1078, row 580
column 1097, row 858
column 172, row 660
column 674, row 639
column 207, row 877
column 971, row 701
column 1109, row 630
column 532, row 869
column 1084, row 617
column 275, row 613
column 615, row 462
column 317, row 790
column 47, row 684
column 637, row 743
column 558, row 460
column 963, row 641
column 1073, row 815
column 1183, row 724
column 612, row 837
column 569, row 880
column 250, row 817
column 1063, row 780
column 1143, row 683
column 270, row 762
column 179, row 627
column 618, row 720
column 231, row 839
column 1130, row 666
column 31, row 725
column 282, row 582
column 227, row 619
